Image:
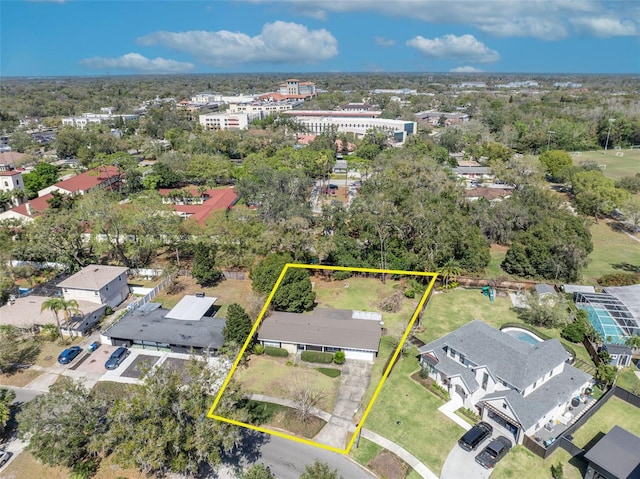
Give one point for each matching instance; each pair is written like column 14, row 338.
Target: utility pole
column 550, row 132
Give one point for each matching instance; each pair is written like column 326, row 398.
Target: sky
column 114, row 37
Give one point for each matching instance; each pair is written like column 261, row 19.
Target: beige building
column 228, row 121
column 97, row 284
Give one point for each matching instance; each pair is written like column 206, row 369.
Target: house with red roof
column 85, row 182
column 191, row 203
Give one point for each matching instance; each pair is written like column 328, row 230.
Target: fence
column 592, row 349
column 152, row 294
column 501, row 284
column 241, row 275
column 565, row 443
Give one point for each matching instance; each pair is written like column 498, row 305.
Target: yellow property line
column 386, row 373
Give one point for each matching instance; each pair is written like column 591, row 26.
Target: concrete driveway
column 354, row 381
column 462, row 464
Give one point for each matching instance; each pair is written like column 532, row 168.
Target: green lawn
column 406, row 413
column 614, row 412
column 365, row 451
column 610, row 248
column 616, row 166
column 627, row 379
column 521, row 463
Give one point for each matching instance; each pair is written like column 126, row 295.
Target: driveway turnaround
column 462, row 464
column 353, row 385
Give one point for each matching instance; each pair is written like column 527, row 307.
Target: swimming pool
column 606, row 326
column 523, row 335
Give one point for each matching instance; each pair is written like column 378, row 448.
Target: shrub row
column 316, row 357
column 278, row 352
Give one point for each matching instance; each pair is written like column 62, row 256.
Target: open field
column 611, row 250
column 272, row 377
column 615, row 411
column 227, row 291
column 616, row 166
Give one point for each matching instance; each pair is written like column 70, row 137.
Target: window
column 504, row 405
column 485, row 380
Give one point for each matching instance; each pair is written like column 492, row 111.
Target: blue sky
column 82, row 37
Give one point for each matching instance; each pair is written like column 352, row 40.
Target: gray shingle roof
column 618, row 452
column 514, row 361
column 323, row 327
column 93, row 277
column 530, row 409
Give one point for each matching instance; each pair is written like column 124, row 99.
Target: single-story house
column 511, row 383
column 356, row 333
column 26, row 313
column 199, row 206
column 615, row 456
column 620, row 354
column 190, row 325
column 97, row 284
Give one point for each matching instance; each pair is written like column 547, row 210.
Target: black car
column 495, row 450
column 474, row 436
column 69, row 354
column 116, row 358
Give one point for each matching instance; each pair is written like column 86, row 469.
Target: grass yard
column 25, row 466
column 627, row 379
column 521, row 463
column 272, row 377
column 611, row 250
column 615, row 411
column 227, row 291
column 365, row 294
column 616, row 166
column 20, row 378
column 404, row 411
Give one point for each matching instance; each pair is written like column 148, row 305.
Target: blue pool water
column 522, row 335
column 606, row 326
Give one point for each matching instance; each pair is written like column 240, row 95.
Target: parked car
column 69, row 354
column 474, row 436
column 4, row 457
column 493, row 452
column 116, row 358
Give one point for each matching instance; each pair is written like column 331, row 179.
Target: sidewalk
column 449, row 409
column 399, row 451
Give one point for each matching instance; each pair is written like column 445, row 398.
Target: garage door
column 359, row 355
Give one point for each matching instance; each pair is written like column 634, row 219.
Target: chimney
column 29, row 210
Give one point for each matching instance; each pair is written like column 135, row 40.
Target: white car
column 4, row 457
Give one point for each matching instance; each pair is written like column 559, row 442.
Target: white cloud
column 278, row 42
column 604, row 27
column 451, row 47
column 384, row 42
column 138, row 63
column 466, row 69
column 545, row 20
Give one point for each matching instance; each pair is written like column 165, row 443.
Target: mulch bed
column 135, row 369
column 387, row 465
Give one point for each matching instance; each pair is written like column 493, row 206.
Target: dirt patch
column 387, row 465
column 289, row 421
column 139, row 366
column 20, row 378
column 499, row 247
column 175, row 364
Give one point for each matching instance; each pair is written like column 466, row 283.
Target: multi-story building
column 228, row 121
column 262, row 107
column 295, row 88
column 97, row 118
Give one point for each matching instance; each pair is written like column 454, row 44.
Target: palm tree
column 68, row 307
column 633, row 342
column 450, row 270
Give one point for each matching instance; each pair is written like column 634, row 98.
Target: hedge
column 316, row 357
column 544, row 337
column 279, row 352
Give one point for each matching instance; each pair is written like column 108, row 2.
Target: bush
column 339, row 357
column 619, row 279
column 409, row 293
column 277, row 352
column 108, row 311
column 258, row 349
column 557, row 471
column 470, row 414
column 331, row 372
column 342, row 275
column 316, row 357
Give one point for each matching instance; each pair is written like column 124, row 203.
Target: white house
column 511, row 383
column 99, row 284
column 228, row 121
column 356, row 333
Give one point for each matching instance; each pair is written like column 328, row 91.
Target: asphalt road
column 287, row 459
